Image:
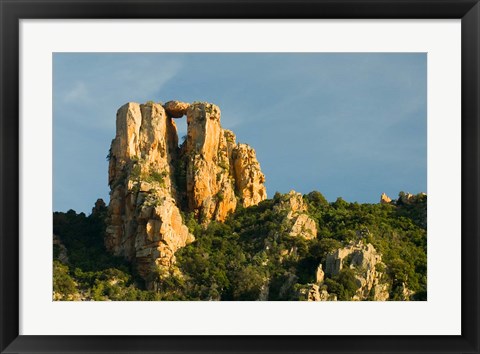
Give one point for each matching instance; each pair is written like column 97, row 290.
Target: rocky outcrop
column 319, row 274
column 304, row 226
column 406, row 293
column 408, row 198
column 219, row 172
column 264, row 291
column 144, row 225
column 152, row 180
column 292, row 202
column 317, row 291
column 367, row 266
column 365, row 261
column 301, row 224
column 60, row 251
column 249, row 179
column 210, row 184
column 313, row 292
column 385, row 199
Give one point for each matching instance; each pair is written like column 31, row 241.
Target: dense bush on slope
column 252, row 255
column 90, row 273
column 253, row 249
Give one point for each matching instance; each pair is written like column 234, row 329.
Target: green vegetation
column 158, row 177
column 344, row 284
column 180, row 180
column 109, row 156
column 229, row 138
column 223, row 164
column 63, row 283
column 92, row 273
column 135, row 171
column 255, row 242
column 252, row 252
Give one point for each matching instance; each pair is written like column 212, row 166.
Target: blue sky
column 350, row 125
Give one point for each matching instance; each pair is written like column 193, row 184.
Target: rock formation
column 210, row 185
column 301, row 224
column 385, row 199
column 320, row 274
column 408, row 198
column 249, row 179
column 313, row 292
column 406, row 293
column 62, row 253
column 176, row 109
column 317, row 291
column 365, row 260
column 153, row 180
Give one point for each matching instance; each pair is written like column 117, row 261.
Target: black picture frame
column 11, row 11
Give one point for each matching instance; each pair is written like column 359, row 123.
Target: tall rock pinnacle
column 152, row 179
column 210, row 186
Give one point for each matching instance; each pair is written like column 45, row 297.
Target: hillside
column 193, row 222
column 250, row 252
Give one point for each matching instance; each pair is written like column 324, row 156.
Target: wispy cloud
column 77, row 93
column 97, row 90
column 147, row 79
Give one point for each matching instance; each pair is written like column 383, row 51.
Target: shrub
column 63, row 283
column 316, row 199
column 158, row 177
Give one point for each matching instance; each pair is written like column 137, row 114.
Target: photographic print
column 240, row 176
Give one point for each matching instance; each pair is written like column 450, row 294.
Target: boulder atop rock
column 176, row 109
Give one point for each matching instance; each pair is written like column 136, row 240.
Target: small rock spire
column 384, row 199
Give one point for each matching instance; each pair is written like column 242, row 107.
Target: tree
column 248, row 283
column 63, row 283
column 317, row 199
